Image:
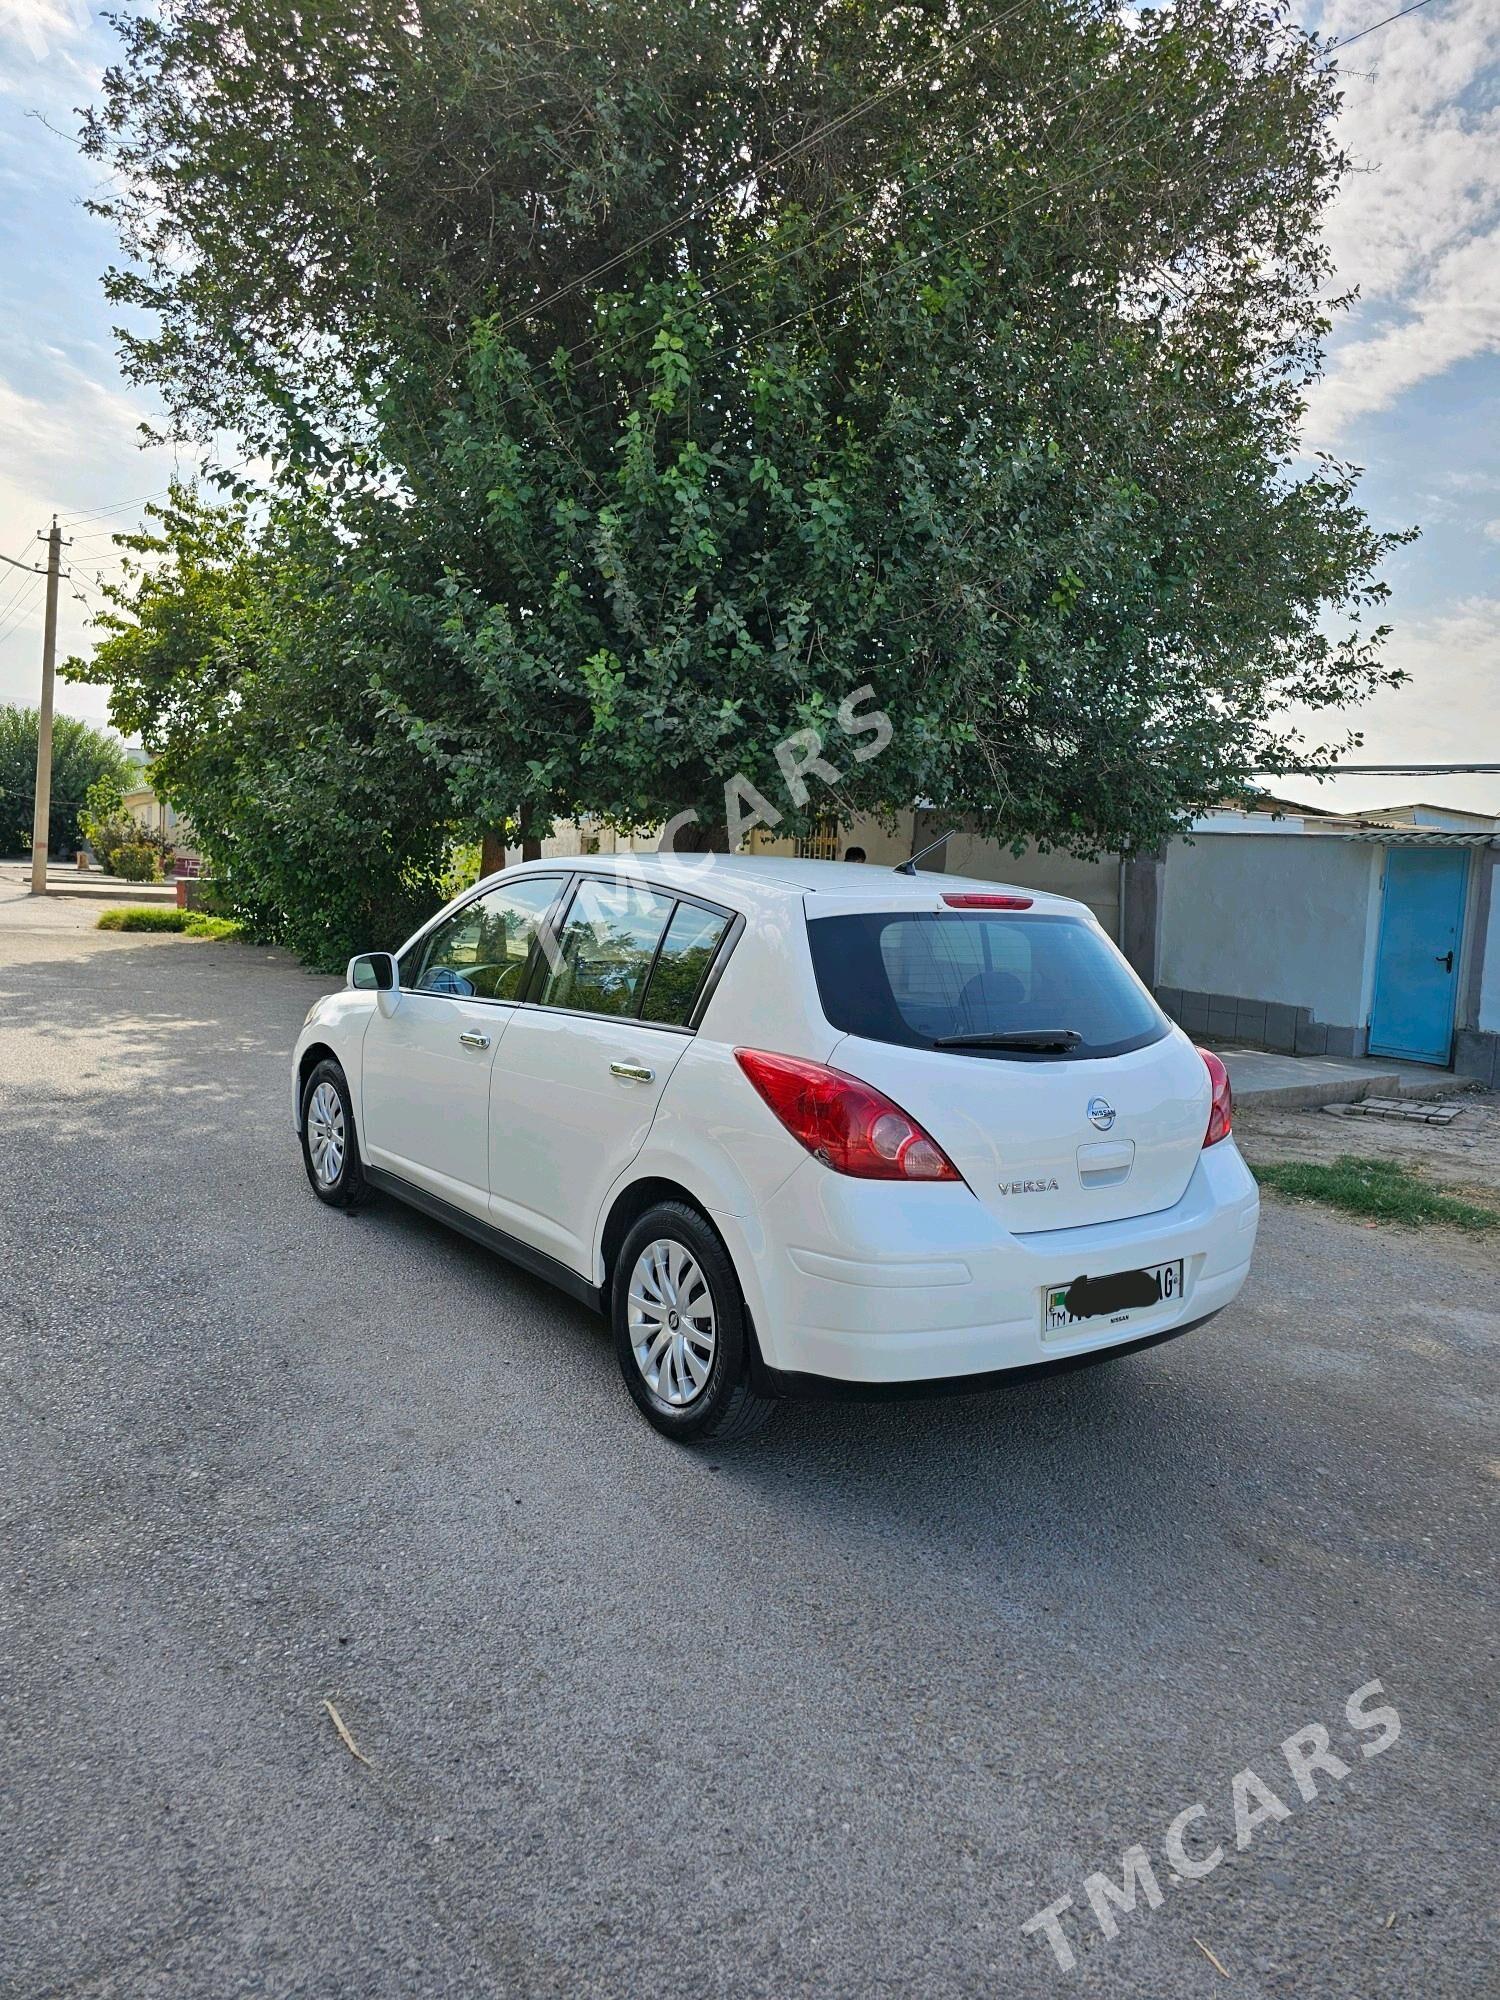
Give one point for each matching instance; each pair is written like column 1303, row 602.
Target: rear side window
column 917, row 978
column 606, row 949
column 686, row 953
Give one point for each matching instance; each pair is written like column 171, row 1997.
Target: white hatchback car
column 798, row 1127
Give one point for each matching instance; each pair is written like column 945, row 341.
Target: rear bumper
column 791, row 1383
column 870, row 1284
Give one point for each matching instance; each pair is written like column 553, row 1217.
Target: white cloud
column 1441, row 715
column 69, row 449
column 1453, row 314
column 1416, row 226
column 1492, row 530
column 43, row 26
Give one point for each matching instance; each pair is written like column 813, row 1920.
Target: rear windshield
column 918, row 977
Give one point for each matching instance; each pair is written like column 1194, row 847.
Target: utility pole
column 41, row 824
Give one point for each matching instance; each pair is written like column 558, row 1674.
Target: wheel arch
column 307, row 1062
column 630, row 1204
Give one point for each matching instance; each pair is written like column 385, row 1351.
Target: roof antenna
column 909, row 866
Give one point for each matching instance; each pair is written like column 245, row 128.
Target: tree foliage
column 234, row 650
column 81, row 755
column 671, row 373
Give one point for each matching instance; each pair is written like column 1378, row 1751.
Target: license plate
column 1056, row 1316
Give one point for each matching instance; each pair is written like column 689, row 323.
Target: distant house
column 156, row 816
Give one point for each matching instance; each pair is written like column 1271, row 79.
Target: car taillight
column 969, row 900
column 1221, row 1111
column 846, row 1124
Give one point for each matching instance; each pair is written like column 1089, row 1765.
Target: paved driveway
column 832, row 1713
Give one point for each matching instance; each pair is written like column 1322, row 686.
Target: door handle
column 1445, row 959
column 472, row 1041
column 638, row 1072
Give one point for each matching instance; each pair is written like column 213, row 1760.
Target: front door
column 1416, row 965
column 425, row 1089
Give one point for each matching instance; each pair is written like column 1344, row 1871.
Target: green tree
column 81, row 755
column 233, row 648
column 675, row 373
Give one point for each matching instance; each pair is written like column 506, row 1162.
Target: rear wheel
column 330, row 1149
column 681, row 1333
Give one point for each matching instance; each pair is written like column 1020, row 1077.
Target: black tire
column 725, row 1406
column 347, row 1189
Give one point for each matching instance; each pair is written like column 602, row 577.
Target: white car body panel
column 424, row 1096
column 562, row 1124
column 852, row 1281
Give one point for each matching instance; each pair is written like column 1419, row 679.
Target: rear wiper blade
column 1016, row 1038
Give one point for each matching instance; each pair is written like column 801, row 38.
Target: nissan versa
column 798, row 1127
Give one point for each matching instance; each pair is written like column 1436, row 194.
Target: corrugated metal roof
column 1399, row 836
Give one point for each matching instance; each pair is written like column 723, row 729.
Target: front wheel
column 681, row 1333
column 330, row 1149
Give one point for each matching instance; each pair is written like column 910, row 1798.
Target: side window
column 687, row 952
column 482, row 949
column 606, row 947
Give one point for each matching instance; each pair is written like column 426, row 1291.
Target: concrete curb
column 1288, row 1083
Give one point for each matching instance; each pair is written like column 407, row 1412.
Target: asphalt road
column 833, row 1712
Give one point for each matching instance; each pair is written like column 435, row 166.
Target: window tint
column 605, row 951
column 686, row 953
column 482, row 949
column 917, row 978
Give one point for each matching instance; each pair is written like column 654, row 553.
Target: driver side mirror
column 372, row 972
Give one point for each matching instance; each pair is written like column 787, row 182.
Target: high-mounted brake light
column 848, row 1125
column 1221, row 1111
column 974, row 901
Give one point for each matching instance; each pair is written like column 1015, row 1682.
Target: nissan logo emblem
column 1101, row 1113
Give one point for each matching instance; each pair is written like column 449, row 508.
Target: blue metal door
column 1416, row 963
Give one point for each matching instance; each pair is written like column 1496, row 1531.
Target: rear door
column 1110, row 1127
column 584, row 1062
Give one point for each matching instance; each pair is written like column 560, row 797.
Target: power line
column 538, row 369
column 142, row 499
column 1375, row 26
column 748, row 171
column 1375, row 770
column 543, row 366
column 17, row 589
column 884, row 277
column 21, row 608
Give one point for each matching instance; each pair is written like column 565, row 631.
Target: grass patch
column 1385, row 1190
column 154, row 917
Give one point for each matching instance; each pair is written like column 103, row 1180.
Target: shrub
column 186, row 923
column 136, row 862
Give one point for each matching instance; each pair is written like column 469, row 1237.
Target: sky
column 1411, row 391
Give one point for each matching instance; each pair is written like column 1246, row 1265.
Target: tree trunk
column 492, row 851
column 702, row 837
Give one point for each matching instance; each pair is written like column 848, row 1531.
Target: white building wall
column 1277, row 920
column 1489, row 977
